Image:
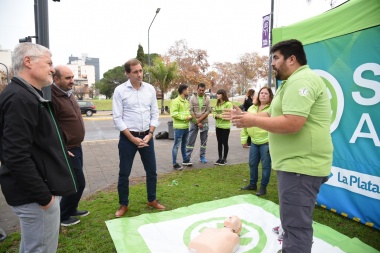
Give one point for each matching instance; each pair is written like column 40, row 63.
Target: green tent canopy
column 352, row 16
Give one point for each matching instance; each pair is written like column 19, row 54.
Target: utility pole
column 41, row 22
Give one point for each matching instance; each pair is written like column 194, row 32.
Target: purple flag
column 265, row 37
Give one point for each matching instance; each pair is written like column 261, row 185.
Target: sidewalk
column 101, row 166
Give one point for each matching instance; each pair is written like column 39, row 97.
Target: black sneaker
column 222, row 162
column 82, row 213
column 70, row 221
column 217, row 162
column 187, row 163
column 177, row 167
column 250, row 187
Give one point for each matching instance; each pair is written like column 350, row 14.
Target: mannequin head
column 233, row 222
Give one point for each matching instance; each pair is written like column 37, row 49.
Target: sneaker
column 279, row 231
column 203, row 160
column 81, row 213
column 187, row 163
column 222, row 162
column 217, row 161
column 250, row 187
column 70, row 221
column 177, row 167
column 3, row 235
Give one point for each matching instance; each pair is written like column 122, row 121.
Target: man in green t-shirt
column 300, row 143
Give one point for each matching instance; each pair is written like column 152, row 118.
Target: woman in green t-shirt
column 222, row 126
column 259, row 148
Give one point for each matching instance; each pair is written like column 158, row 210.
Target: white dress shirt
column 134, row 109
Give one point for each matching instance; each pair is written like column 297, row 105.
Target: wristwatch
column 151, row 132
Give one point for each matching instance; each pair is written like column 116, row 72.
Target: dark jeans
column 127, row 152
column 69, row 204
column 222, row 136
column 257, row 153
column 297, row 194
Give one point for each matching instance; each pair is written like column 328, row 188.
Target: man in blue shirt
column 135, row 115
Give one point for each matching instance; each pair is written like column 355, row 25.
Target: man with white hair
column 34, row 170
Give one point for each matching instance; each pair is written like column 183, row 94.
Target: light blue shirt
column 134, row 109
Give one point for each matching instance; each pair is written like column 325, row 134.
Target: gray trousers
column 193, row 132
column 297, row 194
column 39, row 228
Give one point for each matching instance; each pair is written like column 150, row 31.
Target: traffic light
column 26, row 39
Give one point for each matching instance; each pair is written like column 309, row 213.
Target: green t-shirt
column 308, row 151
column 220, row 122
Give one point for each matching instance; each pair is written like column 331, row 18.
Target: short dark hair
column 202, row 85
column 129, row 63
column 181, row 88
column 291, row 47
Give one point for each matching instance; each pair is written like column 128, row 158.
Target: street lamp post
column 157, row 11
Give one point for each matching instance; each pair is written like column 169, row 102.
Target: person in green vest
column 180, row 112
column 200, row 108
column 259, row 147
column 222, row 126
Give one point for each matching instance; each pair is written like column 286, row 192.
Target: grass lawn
column 106, row 104
column 194, row 186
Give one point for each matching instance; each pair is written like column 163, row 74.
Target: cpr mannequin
column 218, row 240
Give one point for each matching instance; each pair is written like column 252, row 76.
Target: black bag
column 162, row 135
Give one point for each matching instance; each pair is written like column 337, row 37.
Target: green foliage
column 110, row 80
column 194, row 186
column 174, row 94
column 141, row 56
column 162, row 75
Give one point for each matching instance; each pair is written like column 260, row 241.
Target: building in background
column 88, row 61
column 84, row 76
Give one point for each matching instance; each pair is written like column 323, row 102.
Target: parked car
column 87, row 107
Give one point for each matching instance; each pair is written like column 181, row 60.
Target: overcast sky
column 112, row 29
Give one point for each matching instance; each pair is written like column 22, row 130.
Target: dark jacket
column 34, row 160
column 69, row 117
column 247, row 103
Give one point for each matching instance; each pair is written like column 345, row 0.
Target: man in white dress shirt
column 135, row 115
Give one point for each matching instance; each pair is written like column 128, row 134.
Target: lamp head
column 158, row 10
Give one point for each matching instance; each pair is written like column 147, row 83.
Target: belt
column 139, row 133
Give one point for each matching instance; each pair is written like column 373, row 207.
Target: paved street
column 101, row 159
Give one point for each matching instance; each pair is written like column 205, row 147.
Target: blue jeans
column 127, row 152
column 180, row 138
column 257, row 153
column 69, row 204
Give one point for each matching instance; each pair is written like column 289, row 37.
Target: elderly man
column 34, row 170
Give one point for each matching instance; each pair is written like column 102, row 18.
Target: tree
column 3, row 80
column 141, row 56
column 225, row 76
column 251, row 68
column 163, row 73
column 192, row 63
column 79, row 91
column 110, row 80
